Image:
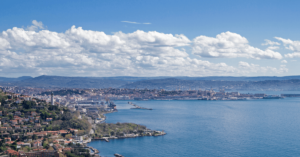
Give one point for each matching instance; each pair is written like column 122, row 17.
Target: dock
column 104, row 138
column 138, row 107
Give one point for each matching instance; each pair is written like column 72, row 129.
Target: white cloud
column 132, row 22
column 291, row 45
column 35, row 26
column 273, row 47
column 230, row 45
column 79, row 52
column 283, row 61
column 269, row 42
column 246, row 68
column 292, row 55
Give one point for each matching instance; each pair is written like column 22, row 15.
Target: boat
column 272, row 97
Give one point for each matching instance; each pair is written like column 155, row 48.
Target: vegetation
column 65, row 92
column 69, row 120
column 118, row 129
column 73, row 154
column 2, row 146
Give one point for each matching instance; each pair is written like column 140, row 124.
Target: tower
column 52, row 99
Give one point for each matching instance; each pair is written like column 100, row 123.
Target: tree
column 34, row 137
column 28, row 104
column 10, row 116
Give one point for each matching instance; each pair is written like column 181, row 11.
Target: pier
column 138, row 107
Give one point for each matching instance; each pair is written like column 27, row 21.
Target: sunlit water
column 209, row 128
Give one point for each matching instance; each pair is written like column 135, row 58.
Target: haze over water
column 210, row 128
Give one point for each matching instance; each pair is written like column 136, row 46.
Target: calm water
column 210, row 128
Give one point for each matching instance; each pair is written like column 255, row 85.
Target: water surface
column 209, row 128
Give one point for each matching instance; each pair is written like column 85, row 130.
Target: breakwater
column 138, row 107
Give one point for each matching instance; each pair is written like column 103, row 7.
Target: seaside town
column 35, row 126
column 73, row 96
column 60, row 122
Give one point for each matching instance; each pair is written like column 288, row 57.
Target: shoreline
column 148, row 133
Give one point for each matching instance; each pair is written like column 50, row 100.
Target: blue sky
column 253, row 20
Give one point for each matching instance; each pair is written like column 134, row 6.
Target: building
column 42, row 153
column 52, row 99
column 12, row 153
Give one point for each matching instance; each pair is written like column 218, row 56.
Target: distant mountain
column 7, row 79
column 164, row 82
column 174, row 83
column 68, row 82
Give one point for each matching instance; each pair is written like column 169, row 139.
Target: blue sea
column 209, row 128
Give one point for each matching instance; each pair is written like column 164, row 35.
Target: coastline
column 147, row 132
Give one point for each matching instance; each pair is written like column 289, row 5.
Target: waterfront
column 209, row 128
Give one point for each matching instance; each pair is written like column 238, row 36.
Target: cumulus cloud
column 273, row 47
column 80, row 52
column 283, row 61
column 35, row 26
column 230, row 45
column 246, row 68
column 269, row 42
column 132, row 22
column 290, row 45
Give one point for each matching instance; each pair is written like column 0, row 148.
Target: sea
column 263, row 127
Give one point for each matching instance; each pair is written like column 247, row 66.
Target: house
column 9, row 142
column 38, row 125
column 29, row 134
column 48, row 119
column 3, row 128
column 17, row 113
column 41, row 153
column 45, row 123
column 58, row 147
column 63, row 132
column 11, row 152
column 6, row 134
column 5, row 125
column 7, row 139
column 33, row 113
column 0, row 113
column 36, row 120
column 19, row 101
column 17, row 127
column 78, row 138
column 26, row 145
column 37, row 143
column 20, row 120
column 41, row 134
column 68, row 149
column 74, row 131
column 15, row 136
column 13, row 122
column 67, row 142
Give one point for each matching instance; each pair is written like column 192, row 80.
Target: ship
column 272, row 97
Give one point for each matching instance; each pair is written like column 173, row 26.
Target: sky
column 149, row 38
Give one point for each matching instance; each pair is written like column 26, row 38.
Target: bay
column 209, row 128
